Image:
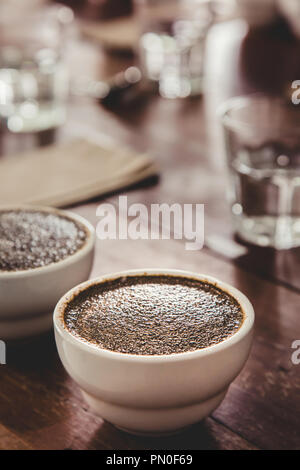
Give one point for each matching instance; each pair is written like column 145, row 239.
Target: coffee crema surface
column 153, row 315
column 31, row 239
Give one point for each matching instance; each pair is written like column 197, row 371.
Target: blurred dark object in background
column 270, row 57
column 106, row 9
column 124, row 88
column 100, row 9
column 121, row 89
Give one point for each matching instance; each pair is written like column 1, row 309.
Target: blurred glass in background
column 172, row 43
column 262, row 136
column 33, row 76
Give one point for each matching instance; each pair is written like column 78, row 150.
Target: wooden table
column 40, row 406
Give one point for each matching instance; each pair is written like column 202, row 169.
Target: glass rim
column 244, row 101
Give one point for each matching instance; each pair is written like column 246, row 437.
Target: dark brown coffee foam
column 153, row 315
column 31, row 239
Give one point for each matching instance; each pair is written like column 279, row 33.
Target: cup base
column 153, row 422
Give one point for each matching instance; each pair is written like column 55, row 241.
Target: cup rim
column 96, row 350
column 242, row 101
column 83, row 250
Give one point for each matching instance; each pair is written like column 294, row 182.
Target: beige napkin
column 119, row 34
column 60, row 175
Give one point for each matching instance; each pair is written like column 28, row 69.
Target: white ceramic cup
column 154, row 394
column 28, row 297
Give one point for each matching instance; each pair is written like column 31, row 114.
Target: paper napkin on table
column 120, row 33
column 65, row 174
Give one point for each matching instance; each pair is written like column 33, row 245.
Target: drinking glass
column 262, row 137
column 172, row 42
column 33, row 76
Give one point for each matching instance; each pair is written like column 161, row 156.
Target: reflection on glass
column 263, row 149
column 172, row 41
column 33, row 77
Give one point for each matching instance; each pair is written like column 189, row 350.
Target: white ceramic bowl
column 154, row 394
column 28, row 297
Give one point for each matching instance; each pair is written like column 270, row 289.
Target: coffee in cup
column 153, row 314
